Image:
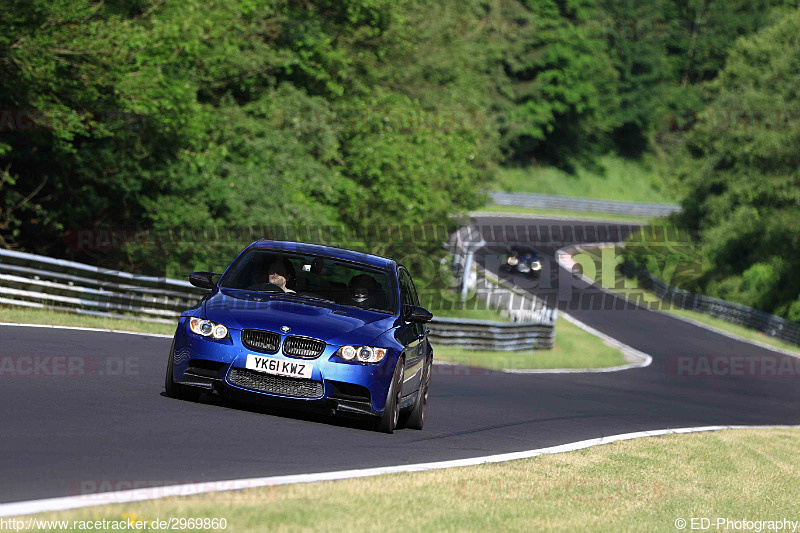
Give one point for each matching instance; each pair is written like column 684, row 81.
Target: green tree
column 207, row 115
column 742, row 168
column 636, row 37
column 559, row 85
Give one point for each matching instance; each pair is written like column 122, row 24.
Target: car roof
column 522, row 248
column 326, row 251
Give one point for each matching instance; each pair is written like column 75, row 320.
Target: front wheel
column 416, row 419
column 176, row 390
column 391, row 412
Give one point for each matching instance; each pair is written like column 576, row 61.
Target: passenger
column 363, row 290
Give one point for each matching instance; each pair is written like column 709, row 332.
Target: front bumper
column 220, row 365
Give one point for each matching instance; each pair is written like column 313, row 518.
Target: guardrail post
column 465, row 276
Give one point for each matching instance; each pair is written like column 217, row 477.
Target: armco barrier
column 489, row 335
column 37, row 281
column 547, row 201
column 766, row 323
column 745, row 316
column 29, row 280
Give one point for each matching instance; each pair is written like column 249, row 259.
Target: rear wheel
column 416, row 419
column 391, row 413
column 176, row 390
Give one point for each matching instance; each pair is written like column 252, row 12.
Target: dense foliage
column 157, row 116
column 192, row 127
column 742, row 167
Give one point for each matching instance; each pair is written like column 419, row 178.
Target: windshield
column 522, row 251
column 314, row 277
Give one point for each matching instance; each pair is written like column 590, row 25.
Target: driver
column 279, row 273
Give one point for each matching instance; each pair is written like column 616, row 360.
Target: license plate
column 279, row 367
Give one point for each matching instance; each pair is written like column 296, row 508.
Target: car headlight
column 513, row 261
column 362, row 354
column 536, row 265
column 207, row 328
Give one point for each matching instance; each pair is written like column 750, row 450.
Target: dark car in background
column 523, row 259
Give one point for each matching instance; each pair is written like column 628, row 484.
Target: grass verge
column 713, row 322
column 629, row 287
column 614, row 178
column 645, row 484
column 574, row 348
column 26, row 315
column 563, row 213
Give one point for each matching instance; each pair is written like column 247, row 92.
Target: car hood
column 332, row 323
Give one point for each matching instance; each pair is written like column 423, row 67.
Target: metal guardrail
column 766, row 323
column 547, row 201
column 490, row 335
column 30, row 280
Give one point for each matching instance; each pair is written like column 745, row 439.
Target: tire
column 391, row 412
column 416, row 418
column 176, row 390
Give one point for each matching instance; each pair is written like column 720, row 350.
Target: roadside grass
column 646, row 296
column 563, row 213
column 574, row 348
column 616, row 178
column 645, row 484
column 629, row 287
column 472, row 314
column 28, row 315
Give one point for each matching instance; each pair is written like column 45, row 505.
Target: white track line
column 190, row 489
column 565, row 254
column 628, row 351
column 642, row 359
column 645, row 359
column 159, row 335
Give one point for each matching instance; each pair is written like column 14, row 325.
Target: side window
column 412, row 289
column 406, row 289
column 409, row 295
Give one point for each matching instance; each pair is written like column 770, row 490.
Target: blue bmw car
column 309, row 323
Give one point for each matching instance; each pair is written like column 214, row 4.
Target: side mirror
column 413, row 313
column 202, row 279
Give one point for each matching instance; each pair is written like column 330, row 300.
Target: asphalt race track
column 111, row 425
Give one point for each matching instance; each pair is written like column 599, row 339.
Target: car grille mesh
column 299, row 388
column 303, row 347
column 261, row 341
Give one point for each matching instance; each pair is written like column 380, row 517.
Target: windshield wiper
column 314, row 297
column 378, row 310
